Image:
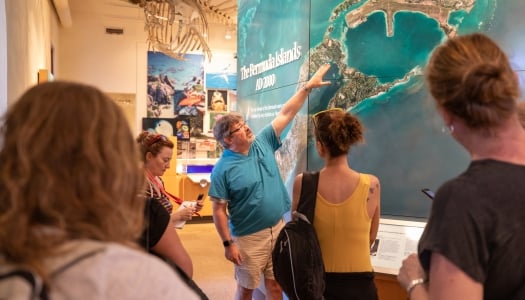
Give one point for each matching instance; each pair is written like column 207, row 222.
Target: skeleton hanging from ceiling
column 176, row 27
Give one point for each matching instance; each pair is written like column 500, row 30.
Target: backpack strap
column 36, row 286
column 58, row 265
column 308, row 196
column 64, row 265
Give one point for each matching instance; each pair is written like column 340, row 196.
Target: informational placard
column 396, row 239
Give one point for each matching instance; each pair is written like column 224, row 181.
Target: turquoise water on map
column 391, row 58
column 405, row 146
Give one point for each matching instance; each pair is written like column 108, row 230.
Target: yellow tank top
column 344, row 231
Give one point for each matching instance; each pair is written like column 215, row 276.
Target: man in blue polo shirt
column 248, row 195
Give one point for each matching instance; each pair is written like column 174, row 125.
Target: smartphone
column 430, row 194
column 200, row 196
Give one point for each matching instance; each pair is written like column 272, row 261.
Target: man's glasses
column 243, row 125
column 156, row 138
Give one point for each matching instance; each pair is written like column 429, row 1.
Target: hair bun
column 480, row 80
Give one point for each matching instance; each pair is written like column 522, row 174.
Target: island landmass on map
column 356, row 86
column 437, row 9
column 360, row 86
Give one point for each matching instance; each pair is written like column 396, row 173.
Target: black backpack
column 297, row 261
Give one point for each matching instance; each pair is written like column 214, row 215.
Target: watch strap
column 227, row 243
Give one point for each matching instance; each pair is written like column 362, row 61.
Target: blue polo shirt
column 252, row 185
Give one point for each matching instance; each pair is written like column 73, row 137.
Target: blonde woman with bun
column 472, row 245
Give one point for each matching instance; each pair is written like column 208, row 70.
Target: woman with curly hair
column 347, row 208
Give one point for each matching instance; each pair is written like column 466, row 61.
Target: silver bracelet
column 414, row 283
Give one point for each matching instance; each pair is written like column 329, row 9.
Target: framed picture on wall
column 214, row 117
column 127, row 102
column 175, row 87
column 217, row 100
column 179, row 126
column 164, row 126
column 221, row 72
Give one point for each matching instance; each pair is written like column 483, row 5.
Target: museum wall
column 82, row 52
column 32, row 29
column 3, row 59
column 116, row 63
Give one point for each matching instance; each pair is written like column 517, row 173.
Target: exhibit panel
column 378, row 54
column 380, row 78
column 396, row 239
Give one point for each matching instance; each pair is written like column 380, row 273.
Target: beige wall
column 107, row 61
column 32, row 28
column 3, row 59
column 115, row 63
column 83, row 52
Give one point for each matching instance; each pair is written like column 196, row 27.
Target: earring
column 451, row 128
column 448, row 128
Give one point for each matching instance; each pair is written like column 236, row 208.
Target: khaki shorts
column 256, row 251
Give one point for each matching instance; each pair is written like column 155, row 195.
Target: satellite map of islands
column 378, row 50
column 438, row 10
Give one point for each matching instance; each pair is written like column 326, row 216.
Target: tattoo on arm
column 371, row 191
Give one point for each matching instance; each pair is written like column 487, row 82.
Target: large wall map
column 378, row 50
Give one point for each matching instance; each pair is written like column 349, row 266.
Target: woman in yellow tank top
column 347, row 208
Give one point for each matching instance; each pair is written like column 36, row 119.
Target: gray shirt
column 113, row 272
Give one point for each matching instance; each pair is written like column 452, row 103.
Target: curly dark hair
column 337, row 131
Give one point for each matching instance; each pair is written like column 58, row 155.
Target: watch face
column 227, row 243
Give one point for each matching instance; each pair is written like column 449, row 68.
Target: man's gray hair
column 222, row 127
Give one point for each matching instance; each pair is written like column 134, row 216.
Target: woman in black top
column 473, row 242
column 160, row 236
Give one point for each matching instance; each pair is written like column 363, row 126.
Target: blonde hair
column 69, row 169
column 471, row 77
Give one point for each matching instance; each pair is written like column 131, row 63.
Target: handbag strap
column 160, row 187
column 308, row 196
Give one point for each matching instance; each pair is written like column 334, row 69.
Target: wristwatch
column 227, row 243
